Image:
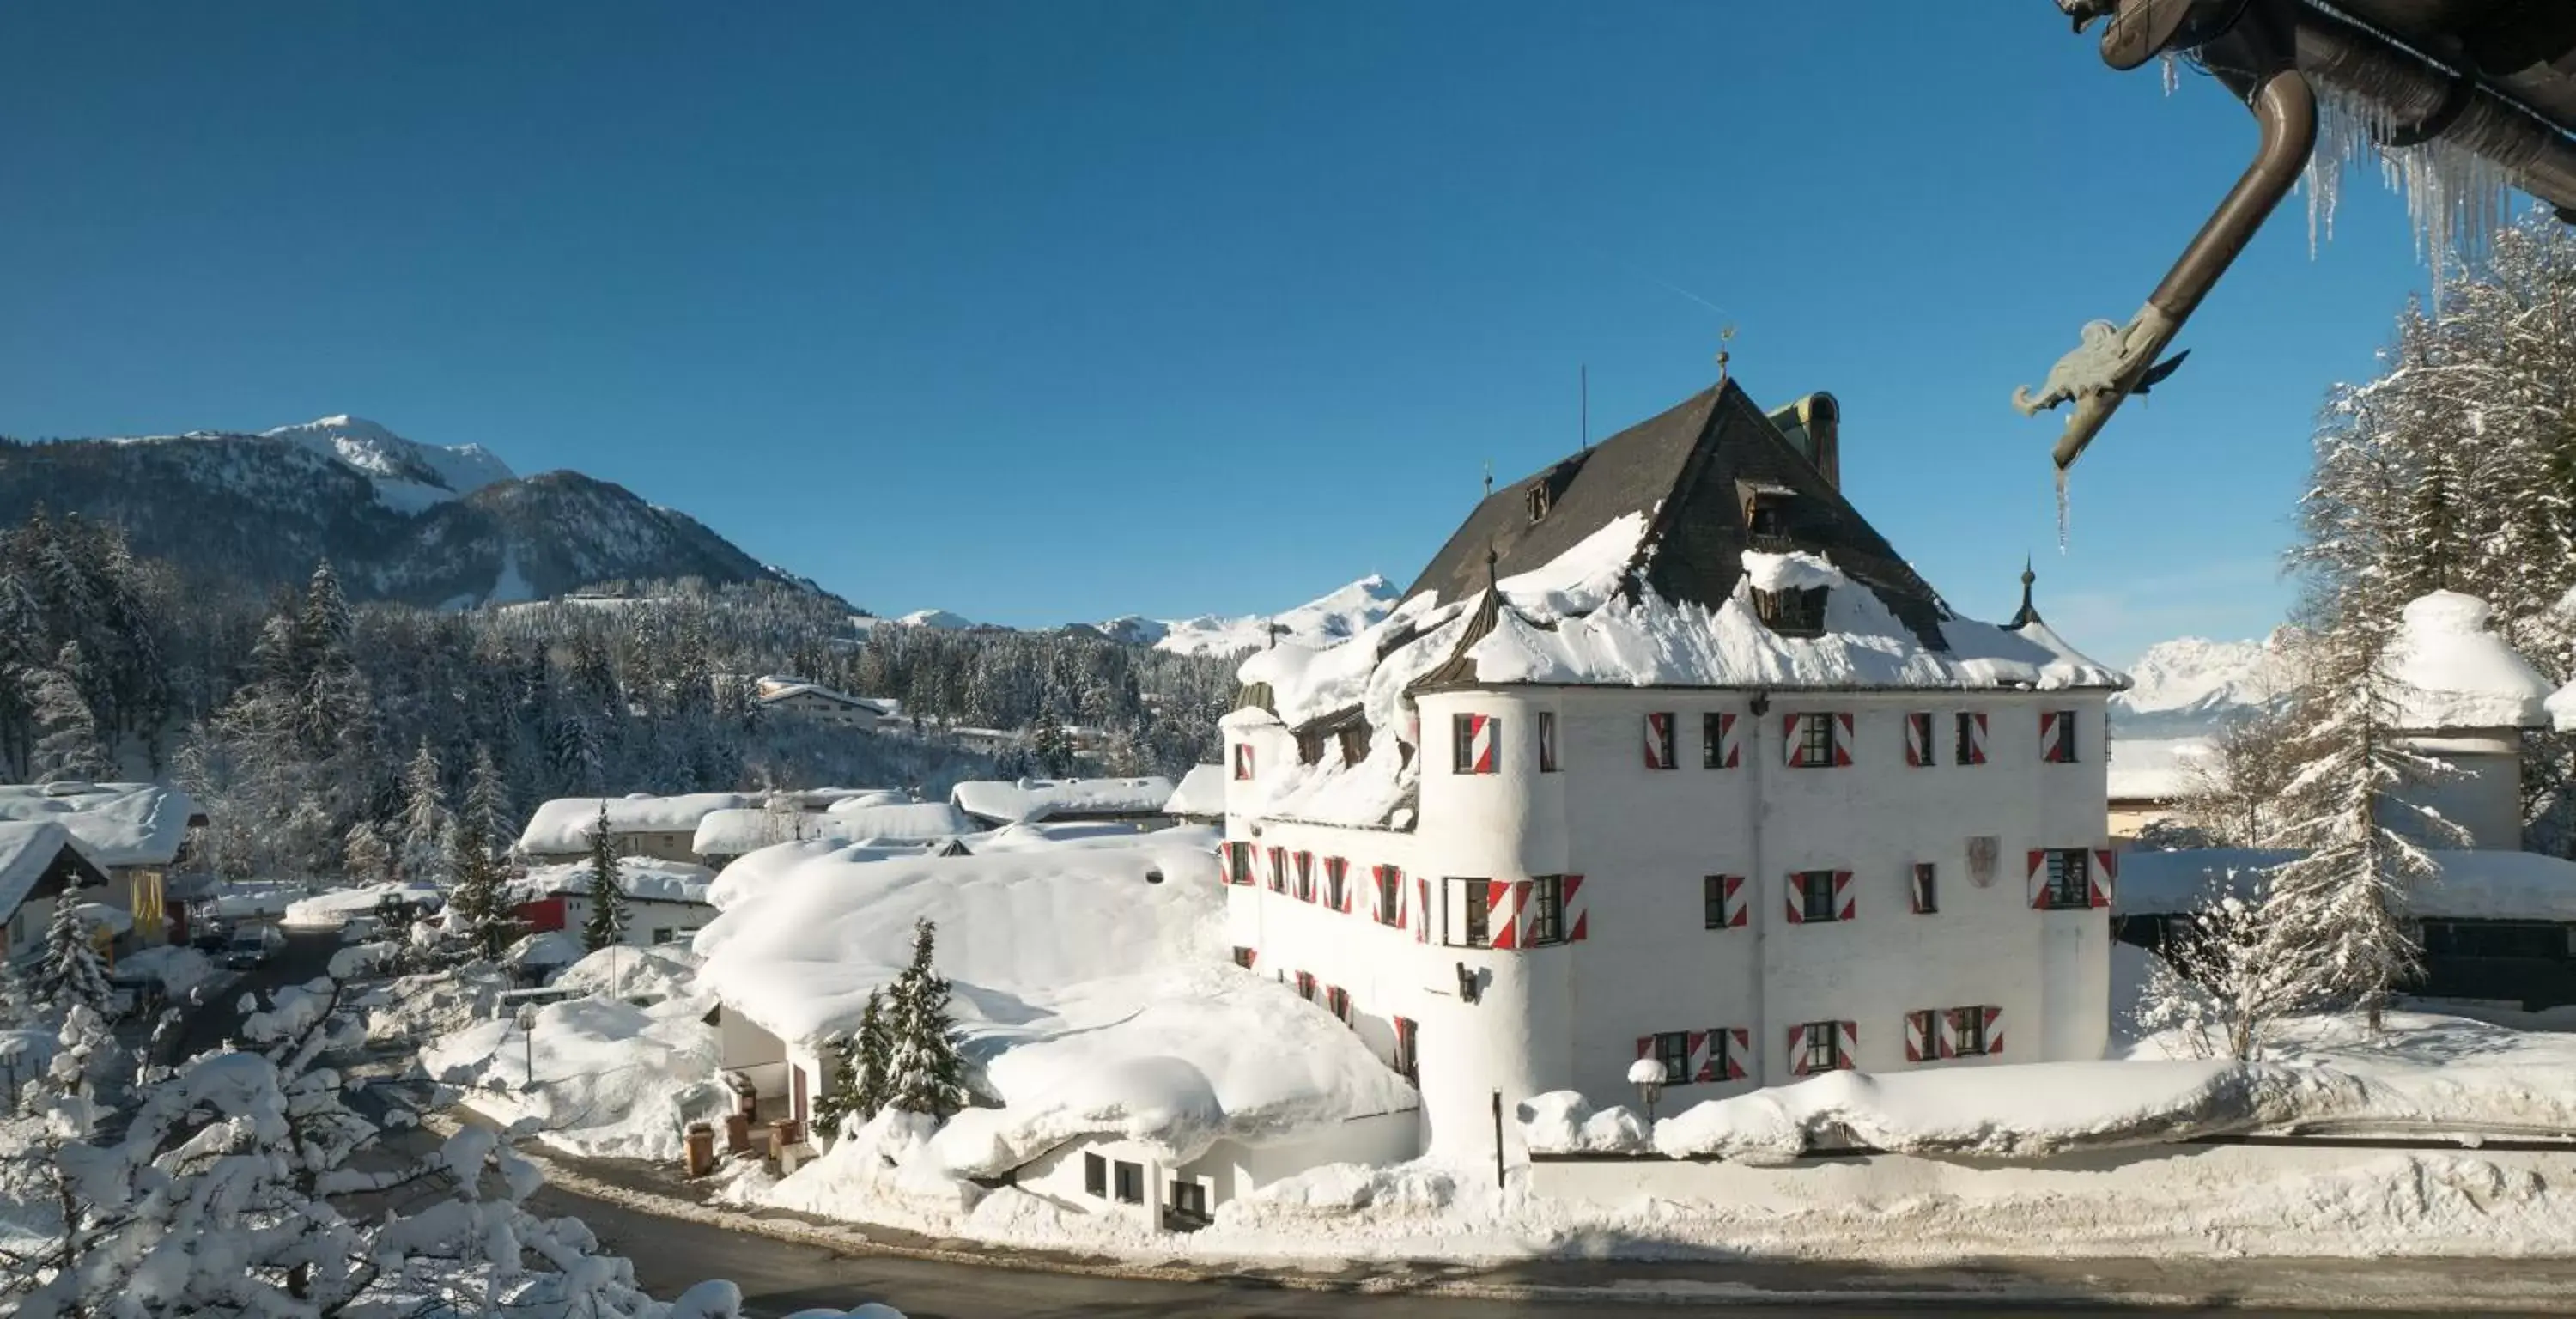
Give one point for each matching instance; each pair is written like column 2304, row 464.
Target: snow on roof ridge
column 2454, row 671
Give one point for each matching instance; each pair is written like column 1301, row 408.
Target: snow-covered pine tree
column 607, row 923
column 424, row 849
column 487, row 798
column 2339, row 906
column 364, row 857
column 71, row 974
column 839, row 1103
column 476, row 899
column 926, row 1074
column 875, row 1057
column 67, row 743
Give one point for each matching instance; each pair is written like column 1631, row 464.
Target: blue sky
column 1065, row 309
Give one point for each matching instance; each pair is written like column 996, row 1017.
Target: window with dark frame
column 1766, row 518
column 1278, row 870
column 1816, row 895
column 1659, row 741
column 1305, row 877
column 1967, row 1032
column 1712, row 741
column 1824, row 1046
column 1131, row 1182
column 1464, row 757
column 1189, row 1202
column 1337, row 1001
column 1795, row 612
column 1243, row 957
column 1918, row 731
column 1965, row 752
column 1390, row 895
column 2061, row 735
column 2070, row 879
column 1925, row 1027
column 1927, row 892
column 1306, row 985
column 1310, row 747
column 1408, row 1062
column 1712, row 898
column 1355, row 743
column 1336, row 874
column 1539, row 501
column 1469, row 904
column 1547, row 909
column 1672, row 1049
column 1816, row 741
column 1095, row 1175
column 1242, row 760
column 1546, row 741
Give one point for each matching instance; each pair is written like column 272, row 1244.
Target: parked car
column 211, row 936
column 248, row 948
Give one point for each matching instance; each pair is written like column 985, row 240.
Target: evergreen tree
column 364, row 856
column 487, row 798
column 839, row 1102
column 607, row 921
column 71, row 974
column 476, row 899
column 875, row 1063
column 925, row 1072
column 67, row 745
column 426, row 822
column 1052, row 746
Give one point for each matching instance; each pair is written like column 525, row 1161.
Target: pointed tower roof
column 2028, row 613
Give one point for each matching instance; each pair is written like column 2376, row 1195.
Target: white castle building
column 1668, row 754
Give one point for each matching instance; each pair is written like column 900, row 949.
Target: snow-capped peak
column 2199, row 682
column 408, row 475
column 1318, row 622
column 939, row 619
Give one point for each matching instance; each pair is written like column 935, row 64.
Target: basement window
column 1095, row 1176
column 1796, row 612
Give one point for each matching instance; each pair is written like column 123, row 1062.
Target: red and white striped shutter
column 1576, row 917
column 2106, row 872
column 1797, row 1051
column 1994, row 1030
column 1699, row 1057
column 2048, row 735
column 1797, row 900
column 1659, row 735
column 1422, row 911
column 1790, row 725
column 1730, row 751
column 1977, row 739
column 2038, row 877
column 1945, row 1034
column 1742, row 1053
column 1843, row 742
column 1514, row 920
column 1480, row 743
column 1850, row 1051
column 1918, row 1048
column 1739, row 913
column 1916, row 754
column 1377, row 896
column 1847, row 903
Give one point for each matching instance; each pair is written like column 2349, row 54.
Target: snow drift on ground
column 1318, row 622
column 612, row 1079
column 178, row 970
column 1092, row 992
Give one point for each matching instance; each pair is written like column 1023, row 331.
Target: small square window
column 1824, row 1046
column 1474, row 744
column 1189, row 1203
column 1812, row 745
column 1470, row 904
column 1243, row 957
column 1672, row 1049
column 1967, row 1032
column 2070, row 879
column 1816, row 895
column 1095, row 1175
column 1547, row 742
column 1547, row 909
column 1131, row 1183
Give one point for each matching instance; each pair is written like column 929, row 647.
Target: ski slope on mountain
column 407, row 475
column 1318, row 622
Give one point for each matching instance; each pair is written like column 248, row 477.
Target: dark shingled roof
column 1697, row 462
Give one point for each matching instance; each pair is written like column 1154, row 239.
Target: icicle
column 2455, row 199
column 2173, row 71
column 2062, row 517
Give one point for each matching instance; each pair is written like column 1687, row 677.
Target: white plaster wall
column 643, row 917
column 1056, row 1176
column 742, row 1046
column 26, row 928
column 1569, row 1016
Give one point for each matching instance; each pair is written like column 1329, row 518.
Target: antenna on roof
column 1723, row 336
column 1586, row 378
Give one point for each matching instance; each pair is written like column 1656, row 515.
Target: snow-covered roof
column 332, row 908
column 1202, row 792
column 739, row 829
column 1040, row 799
column 116, row 824
column 27, row 848
column 563, row 825
column 827, row 798
column 2155, row 769
column 774, row 690
column 1091, row 986
column 901, row 822
column 2453, row 671
column 645, row 878
column 2470, row 885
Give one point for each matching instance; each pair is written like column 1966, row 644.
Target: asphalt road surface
column 779, row 1277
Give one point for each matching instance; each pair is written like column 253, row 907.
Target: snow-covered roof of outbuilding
column 2469, row 885
column 904, row 822
column 564, row 824
column 644, row 878
column 117, row 824
column 739, row 829
column 1091, row 986
column 1005, row 802
column 2453, row 671
column 1202, row 792
column 27, row 850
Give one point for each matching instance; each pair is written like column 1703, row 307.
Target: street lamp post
column 1647, row 1074
column 528, row 1043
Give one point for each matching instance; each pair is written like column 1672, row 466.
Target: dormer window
column 1540, row 501
column 1768, row 514
column 1796, row 612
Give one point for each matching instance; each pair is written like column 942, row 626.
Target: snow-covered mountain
column 939, row 620
column 1325, row 619
column 2193, row 685
column 401, row 520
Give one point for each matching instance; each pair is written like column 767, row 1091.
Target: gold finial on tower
column 1723, row 337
